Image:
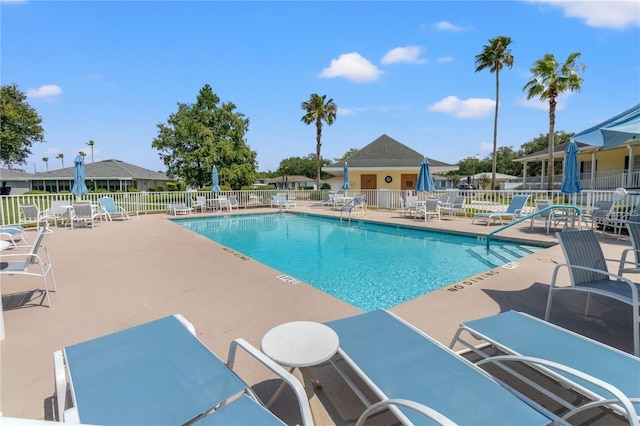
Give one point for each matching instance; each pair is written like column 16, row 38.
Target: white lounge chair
column 396, row 361
column 111, row 210
column 516, row 333
column 30, row 262
column 13, row 233
column 514, row 211
column 281, row 202
column 588, row 272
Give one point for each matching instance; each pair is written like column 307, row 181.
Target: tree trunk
column 552, row 123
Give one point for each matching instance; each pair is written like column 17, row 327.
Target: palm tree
column 495, row 56
column 91, row 144
column 82, row 154
column 317, row 111
column 550, row 79
column 46, row 162
column 61, row 157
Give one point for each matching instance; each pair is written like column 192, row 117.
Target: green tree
column 206, row 134
column 61, row 158
column 495, row 56
column 505, row 161
column 346, row 155
column 549, row 80
column 303, row 166
column 46, row 162
column 20, row 126
column 82, row 154
column 317, row 111
column 538, row 144
column 91, row 144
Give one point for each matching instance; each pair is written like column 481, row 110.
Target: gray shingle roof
column 387, row 152
column 15, row 175
column 107, row 169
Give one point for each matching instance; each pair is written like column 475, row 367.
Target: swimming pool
column 368, row 265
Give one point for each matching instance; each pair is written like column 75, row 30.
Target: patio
column 125, row 273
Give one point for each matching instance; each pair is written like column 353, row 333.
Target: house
column 387, row 164
column 291, row 182
column 110, row 175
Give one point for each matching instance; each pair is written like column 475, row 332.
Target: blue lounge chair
column 13, row 232
column 111, row 210
column 398, row 362
column 160, row 373
column 588, row 272
column 281, row 202
column 520, row 334
column 513, row 211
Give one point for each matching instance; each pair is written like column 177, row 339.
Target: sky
column 112, row 71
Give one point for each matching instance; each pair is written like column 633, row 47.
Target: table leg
column 276, row 395
column 309, row 380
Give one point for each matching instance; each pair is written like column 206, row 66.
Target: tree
column 206, row 134
column 46, row 162
column 82, row 154
column 495, row 56
column 61, row 157
column 20, row 126
column 346, row 155
column 317, row 111
column 303, row 166
column 541, row 143
column 549, row 80
column 91, row 144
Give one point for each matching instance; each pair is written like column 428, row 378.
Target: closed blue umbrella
column 79, row 187
column 571, row 178
column 345, row 185
column 425, row 180
column 215, row 182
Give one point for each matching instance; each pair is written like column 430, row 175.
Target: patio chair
column 30, row 263
column 397, row 361
column 13, row 233
column 84, row 213
column 601, row 215
column 112, row 385
column 514, row 211
column 57, row 211
column 588, row 272
column 428, row 208
column 455, row 207
column 516, row 333
column 281, row 202
column 631, row 266
column 200, row 203
column 549, row 217
column 233, row 202
column 30, row 214
column 111, row 210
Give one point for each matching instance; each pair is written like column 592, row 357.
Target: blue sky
column 111, row 71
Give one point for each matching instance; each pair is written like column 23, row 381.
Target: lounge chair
column 396, row 361
column 517, row 333
column 30, row 214
column 13, row 233
column 428, row 208
column 587, row 269
column 281, row 202
column 111, row 210
column 514, row 211
column 30, row 262
column 176, row 209
column 160, row 373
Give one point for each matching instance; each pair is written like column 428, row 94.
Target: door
column 370, row 182
column 408, row 181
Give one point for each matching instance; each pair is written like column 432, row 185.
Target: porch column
column 630, row 168
column 524, row 175
column 542, row 174
column 593, row 170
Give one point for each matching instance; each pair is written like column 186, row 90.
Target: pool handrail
column 529, row 216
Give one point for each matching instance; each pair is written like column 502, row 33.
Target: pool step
column 499, row 255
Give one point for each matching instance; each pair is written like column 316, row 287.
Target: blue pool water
column 368, row 265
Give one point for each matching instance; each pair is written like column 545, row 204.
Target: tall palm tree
column 82, row 154
column 495, row 56
column 550, row 79
column 61, row 157
column 317, row 111
column 91, row 144
column 46, row 162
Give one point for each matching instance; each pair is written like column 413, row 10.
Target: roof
column 106, row 169
column 15, row 175
column 386, row 152
column 290, row 178
column 558, row 151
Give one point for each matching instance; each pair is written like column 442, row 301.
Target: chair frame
column 23, row 263
column 109, row 213
column 595, row 278
column 428, row 208
column 512, row 211
column 13, row 231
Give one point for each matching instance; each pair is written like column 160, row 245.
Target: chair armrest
column 428, row 412
column 619, row 278
column 294, row 384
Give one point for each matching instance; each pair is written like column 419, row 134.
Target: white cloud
column 409, row 54
column 445, row 59
column 561, row 102
column 352, row 66
column 45, row 91
column 346, row 111
column 448, row 26
column 600, row 14
column 469, row 108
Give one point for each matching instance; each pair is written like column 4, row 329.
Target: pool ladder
column 351, row 205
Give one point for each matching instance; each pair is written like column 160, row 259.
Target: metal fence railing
column 156, row 202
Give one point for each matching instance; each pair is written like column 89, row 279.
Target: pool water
column 368, row 265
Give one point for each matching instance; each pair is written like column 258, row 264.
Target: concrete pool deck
column 124, row 273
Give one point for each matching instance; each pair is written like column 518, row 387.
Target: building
column 109, row 175
column 387, row 164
